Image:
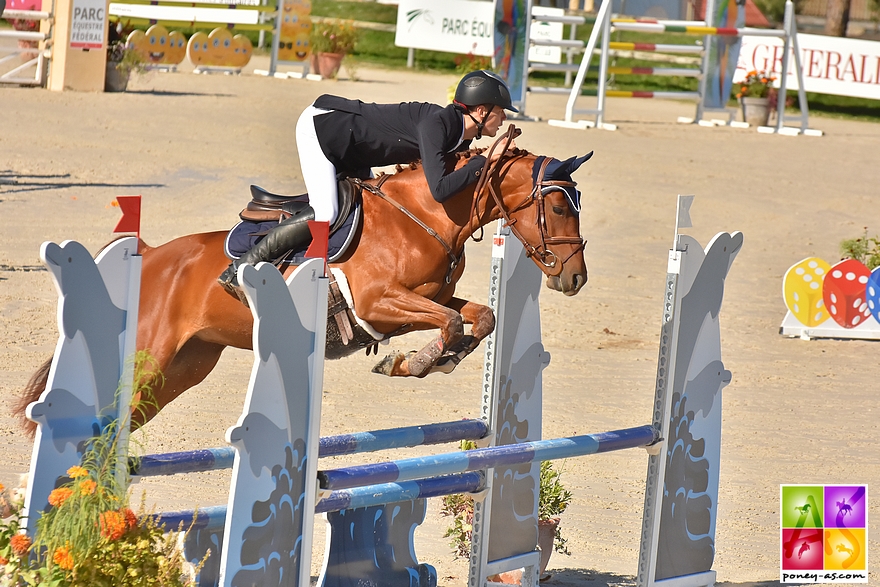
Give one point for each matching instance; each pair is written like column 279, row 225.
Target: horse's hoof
column 389, row 365
column 447, row 363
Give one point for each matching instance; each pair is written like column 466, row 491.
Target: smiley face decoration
column 219, row 49
column 157, row 46
column 296, row 26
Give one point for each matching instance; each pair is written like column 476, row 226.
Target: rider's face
column 496, row 118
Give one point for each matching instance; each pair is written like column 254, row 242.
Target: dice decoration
column 847, row 292
column 802, row 291
column 844, row 292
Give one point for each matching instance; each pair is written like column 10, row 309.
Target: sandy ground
column 795, row 412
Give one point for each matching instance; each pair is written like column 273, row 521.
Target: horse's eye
column 558, row 210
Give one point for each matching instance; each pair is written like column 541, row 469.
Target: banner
column 88, row 26
column 455, row 26
column 511, row 44
column 831, row 65
column 545, row 31
column 723, row 53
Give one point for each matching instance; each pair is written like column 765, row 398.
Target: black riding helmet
column 482, row 87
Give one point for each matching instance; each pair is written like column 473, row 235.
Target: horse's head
column 539, row 201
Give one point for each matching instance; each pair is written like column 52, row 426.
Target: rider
column 337, row 137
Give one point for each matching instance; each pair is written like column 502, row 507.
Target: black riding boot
column 291, row 234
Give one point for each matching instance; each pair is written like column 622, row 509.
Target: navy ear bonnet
column 561, row 170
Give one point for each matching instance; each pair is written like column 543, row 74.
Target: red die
column 844, row 292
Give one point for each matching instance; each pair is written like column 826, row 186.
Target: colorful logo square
column 845, row 506
column 823, row 533
column 801, row 506
column 845, row 550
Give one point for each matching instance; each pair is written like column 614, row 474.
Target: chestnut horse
column 402, row 267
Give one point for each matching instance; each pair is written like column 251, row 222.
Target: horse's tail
column 30, row 394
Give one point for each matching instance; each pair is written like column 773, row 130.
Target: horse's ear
column 571, row 164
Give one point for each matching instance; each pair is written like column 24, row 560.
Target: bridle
column 546, row 259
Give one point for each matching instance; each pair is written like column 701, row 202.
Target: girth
column 265, row 206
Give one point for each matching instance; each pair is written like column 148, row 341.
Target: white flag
column 684, row 211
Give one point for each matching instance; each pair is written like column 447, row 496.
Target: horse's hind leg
column 189, row 367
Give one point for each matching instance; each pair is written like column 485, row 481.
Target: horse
column 401, row 267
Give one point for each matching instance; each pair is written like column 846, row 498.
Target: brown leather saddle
column 266, row 206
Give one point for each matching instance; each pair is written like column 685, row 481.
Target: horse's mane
column 516, row 152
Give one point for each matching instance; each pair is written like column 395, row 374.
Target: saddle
column 266, row 206
column 269, row 208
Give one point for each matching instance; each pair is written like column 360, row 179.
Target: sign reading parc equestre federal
column 831, row 65
column 456, row 26
column 87, row 25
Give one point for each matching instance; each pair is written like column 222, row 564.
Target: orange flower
column 87, row 487
column 2, row 487
column 63, row 558
column 77, row 471
column 113, row 525
column 20, row 544
column 3, row 561
column 131, row 519
column 59, row 496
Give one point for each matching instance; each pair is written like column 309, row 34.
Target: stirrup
column 229, row 281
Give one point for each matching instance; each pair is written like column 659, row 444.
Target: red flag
column 320, row 236
column 131, row 214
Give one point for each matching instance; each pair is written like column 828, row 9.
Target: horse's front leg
column 405, row 307
column 483, row 323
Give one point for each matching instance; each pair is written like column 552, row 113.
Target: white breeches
column 318, row 173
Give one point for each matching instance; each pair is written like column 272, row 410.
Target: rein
column 376, row 190
column 545, row 256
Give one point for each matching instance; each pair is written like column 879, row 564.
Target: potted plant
column 754, row 97
column 122, row 60
column 89, row 535
column 553, row 500
column 865, row 249
column 331, row 41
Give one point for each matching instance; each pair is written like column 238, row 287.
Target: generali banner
column 456, row 26
column 831, row 65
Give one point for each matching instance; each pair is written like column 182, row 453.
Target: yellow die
column 802, row 290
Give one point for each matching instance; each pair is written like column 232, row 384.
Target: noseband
column 547, row 259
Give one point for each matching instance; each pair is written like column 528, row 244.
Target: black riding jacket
column 357, row 136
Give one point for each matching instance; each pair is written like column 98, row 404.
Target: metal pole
column 604, row 10
column 786, row 47
column 485, row 458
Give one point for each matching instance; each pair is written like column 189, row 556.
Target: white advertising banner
column 831, row 65
column 546, row 31
column 87, row 28
column 455, row 26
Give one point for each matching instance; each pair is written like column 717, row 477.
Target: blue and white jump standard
column 372, row 510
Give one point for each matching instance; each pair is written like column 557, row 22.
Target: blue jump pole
column 214, row 518
column 483, row 458
column 209, row 459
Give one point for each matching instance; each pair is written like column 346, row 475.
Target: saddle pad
column 245, row 235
